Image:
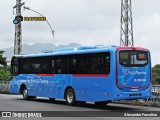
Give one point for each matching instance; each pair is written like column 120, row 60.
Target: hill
column 35, row 48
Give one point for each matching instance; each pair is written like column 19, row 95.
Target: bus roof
column 75, row 50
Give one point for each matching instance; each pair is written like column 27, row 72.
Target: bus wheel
column 70, row 97
column 101, row 104
column 25, row 94
column 52, row 99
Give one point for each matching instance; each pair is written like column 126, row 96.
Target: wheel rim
column 70, row 97
column 25, row 94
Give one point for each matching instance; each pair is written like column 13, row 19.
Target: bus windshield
column 132, row 58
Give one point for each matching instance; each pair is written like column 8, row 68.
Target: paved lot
column 16, row 103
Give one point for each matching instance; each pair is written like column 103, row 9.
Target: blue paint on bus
column 121, row 83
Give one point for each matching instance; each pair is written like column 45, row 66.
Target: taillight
column 117, row 72
column 148, row 85
column 150, row 69
column 119, row 87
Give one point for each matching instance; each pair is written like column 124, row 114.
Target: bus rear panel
column 133, row 74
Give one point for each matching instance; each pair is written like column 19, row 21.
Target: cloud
column 147, row 35
column 88, row 22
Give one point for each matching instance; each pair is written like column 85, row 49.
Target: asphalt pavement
column 16, row 103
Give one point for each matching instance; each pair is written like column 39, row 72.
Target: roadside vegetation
column 156, row 75
column 4, row 69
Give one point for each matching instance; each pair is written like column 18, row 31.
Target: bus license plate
column 134, row 90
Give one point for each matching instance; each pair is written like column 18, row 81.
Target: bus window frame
column 67, row 58
column 134, row 65
column 14, row 64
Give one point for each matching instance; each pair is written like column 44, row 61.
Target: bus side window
column 25, row 67
column 73, row 65
column 95, row 64
column 36, row 68
column 107, row 63
column 82, row 64
column 60, row 65
column 46, row 65
column 68, row 70
column 15, row 70
column 53, row 66
column 36, row 65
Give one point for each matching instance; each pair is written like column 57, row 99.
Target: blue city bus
column 96, row 74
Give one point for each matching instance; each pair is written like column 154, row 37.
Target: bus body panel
column 47, row 87
column 87, row 87
column 134, row 79
column 14, row 86
column 133, row 82
column 120, row 95
column 95, row 88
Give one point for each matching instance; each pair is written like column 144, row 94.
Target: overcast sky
column 88, row 22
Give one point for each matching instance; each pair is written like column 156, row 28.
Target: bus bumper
column 120, row 95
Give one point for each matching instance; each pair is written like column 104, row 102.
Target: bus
column 98, row 74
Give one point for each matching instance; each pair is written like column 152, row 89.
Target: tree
column 156, row 70
column 3, row 61
column 156, row 74
column 4, row 71
column 4, row 74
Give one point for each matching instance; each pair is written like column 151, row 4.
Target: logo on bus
column 126, row 72
column 32, row 80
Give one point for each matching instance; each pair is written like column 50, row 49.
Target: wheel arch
column 68, row 87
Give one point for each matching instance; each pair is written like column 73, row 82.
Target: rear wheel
column 25, row 94
column 70, row 97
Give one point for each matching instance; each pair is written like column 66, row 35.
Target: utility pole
column 126, row 24
column 18, row 29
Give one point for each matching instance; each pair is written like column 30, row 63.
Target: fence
column 154, row 101
column 4, row 86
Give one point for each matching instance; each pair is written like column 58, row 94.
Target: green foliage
column 156, row 69
column 3, row 61
column 156, row 74
column 4, row 73
column 156, row 81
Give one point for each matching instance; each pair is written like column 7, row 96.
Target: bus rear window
column 133, row 58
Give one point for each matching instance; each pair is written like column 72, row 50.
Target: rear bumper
column 120, row 95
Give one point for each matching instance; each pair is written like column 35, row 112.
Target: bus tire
column 25, row 94
column 70, row 97
column 101, row 104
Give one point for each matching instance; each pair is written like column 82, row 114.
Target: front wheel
column 25, row 94
column 70, row 97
